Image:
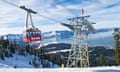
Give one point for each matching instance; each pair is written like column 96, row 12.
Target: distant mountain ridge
column 102, row 37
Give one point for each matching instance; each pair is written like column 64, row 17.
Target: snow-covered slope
column 4, row 66
column 20, row 61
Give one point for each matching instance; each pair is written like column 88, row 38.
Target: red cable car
column 32, row 35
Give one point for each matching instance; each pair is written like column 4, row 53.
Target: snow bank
column 46, row 70
column 4, row 66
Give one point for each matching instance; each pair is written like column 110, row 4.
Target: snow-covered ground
column 22, row 64
column 57, row 51
column 94, row 69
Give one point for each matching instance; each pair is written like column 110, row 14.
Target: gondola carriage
column 30, row 35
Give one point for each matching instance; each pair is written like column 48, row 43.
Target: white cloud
column 11, row 31
column 108, row 1
column 47, row 28
column 20, row 30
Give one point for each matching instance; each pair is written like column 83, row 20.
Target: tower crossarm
column 28, row 10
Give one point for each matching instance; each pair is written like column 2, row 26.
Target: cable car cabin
column 32, row 35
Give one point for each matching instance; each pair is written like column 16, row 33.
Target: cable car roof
column 32, row 30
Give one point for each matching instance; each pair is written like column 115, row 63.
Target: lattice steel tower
column 78, row 56
column 117, row 45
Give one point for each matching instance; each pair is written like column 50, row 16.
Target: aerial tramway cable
column 33, row 13
column 10, row 3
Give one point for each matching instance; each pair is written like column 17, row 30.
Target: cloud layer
column 104, row 12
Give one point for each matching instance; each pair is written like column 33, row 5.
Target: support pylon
column 78, row 56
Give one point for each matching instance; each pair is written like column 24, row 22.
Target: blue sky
column 106, row 13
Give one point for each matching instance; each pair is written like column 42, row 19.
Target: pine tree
column 21, row 51
column 29, row 49
column 4, row 43
column 52, row 57
column 42, row 51
column 35, row 63
column 101, row 60
column 2, row 56
column 12, row 48
column 45, row 64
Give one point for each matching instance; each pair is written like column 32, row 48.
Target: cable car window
column 26, row 34
column 38, row 33
column 33, row 33
column 30, row 33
